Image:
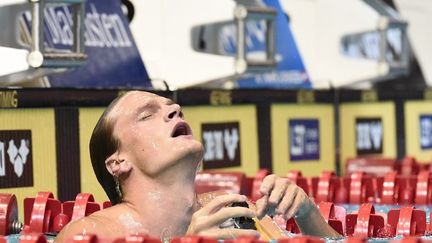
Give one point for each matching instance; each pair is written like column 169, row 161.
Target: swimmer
column 145, row 157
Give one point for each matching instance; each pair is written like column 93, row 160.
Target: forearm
column 314, row 224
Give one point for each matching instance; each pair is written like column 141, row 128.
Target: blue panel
column 114, row 60
column 426, row 132
column 290, row 71
column 304, row 139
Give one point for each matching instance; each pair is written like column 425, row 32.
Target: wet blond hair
column 103, row 144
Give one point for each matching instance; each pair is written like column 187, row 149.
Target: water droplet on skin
column 84, row 229
column 165, row 235
column 156, row 196
column 130, row 224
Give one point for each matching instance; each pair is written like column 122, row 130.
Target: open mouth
column 181, row 129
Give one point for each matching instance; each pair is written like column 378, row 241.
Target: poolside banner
column 113, row 58
column 369, row 136
column 229, row 136
column 304, row 139
column 221, row 144
column 16, row 163
column 290, row 71
column 426, row 132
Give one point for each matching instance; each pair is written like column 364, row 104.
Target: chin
column 194, row 154
column 186, row 150
column 199, row 155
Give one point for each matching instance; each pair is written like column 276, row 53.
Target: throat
column 165, row 213
column 164, row 205
column 171, row 215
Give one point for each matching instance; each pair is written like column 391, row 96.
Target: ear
column 125, row 167
column 117, row 166
column 112, row 165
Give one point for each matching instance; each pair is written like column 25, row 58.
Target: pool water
column 350, row 208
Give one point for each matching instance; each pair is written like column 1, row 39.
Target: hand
column 282, row 197
column 206, row 221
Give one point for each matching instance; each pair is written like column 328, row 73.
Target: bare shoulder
column 99, row 223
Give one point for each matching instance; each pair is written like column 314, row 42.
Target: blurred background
column 279, row 85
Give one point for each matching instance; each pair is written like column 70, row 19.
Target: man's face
column 152, row 133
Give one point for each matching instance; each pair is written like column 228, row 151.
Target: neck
column 164, row 204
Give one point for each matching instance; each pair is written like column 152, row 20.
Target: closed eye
column 144, row 117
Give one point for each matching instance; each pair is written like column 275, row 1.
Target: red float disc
column 8, row 212
column 37, row 220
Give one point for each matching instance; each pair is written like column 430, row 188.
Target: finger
column 287, row 200
column 299, row 200
column 226, row 213
column 232, row 233
column 220, row 202
column 261, row 205
column 267, row 184
column 206, row 197
column 278, row 192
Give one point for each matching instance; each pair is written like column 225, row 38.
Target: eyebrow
column 148, row 105
column 152, row 105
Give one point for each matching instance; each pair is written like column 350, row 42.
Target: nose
column 174, row 110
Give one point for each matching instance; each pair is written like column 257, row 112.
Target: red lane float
column 296, row 177
column 231, row 182
column 361, row 188
column 376, row 166
column 365, row 223
column 407, row 221
column 398, row 189
column 243, row 240
column 83, row 205
column 328, row 212
column 423, row 188
column 390, row 189
column 292, row 227
column 88, row 238
column 138, row 239
column 355, row 240
column 193, row 239
column 326, row 187
column 409, row 166
column 407, row 189
column 9, row 214
column 342, row 192
column 91, row 238
column 256, row 184
column 39, row 212
column 60, row 221
column 32, row 238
